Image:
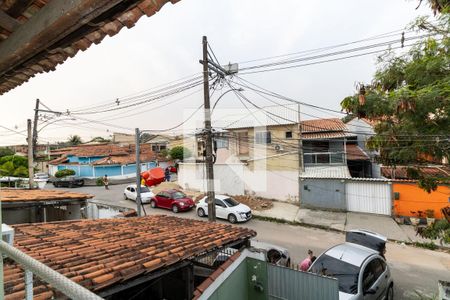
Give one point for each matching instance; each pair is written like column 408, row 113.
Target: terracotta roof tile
column 320, row 125
column 354, row 152
column 400, row 172
column 99, row 253
column 22, row 195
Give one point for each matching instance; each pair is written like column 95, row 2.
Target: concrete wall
column 227, row 178
column 238, row 179
column 323, row 194
column 413, row 198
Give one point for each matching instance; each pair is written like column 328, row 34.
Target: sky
column 167, row 47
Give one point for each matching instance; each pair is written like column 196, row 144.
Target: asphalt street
column 415, row 271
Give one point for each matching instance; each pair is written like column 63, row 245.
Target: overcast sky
column 167, row 46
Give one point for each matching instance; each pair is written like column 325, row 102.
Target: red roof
column 324, row 129
column 400, row 172
column 98, row 254
column 354, row 152
column 19, row 195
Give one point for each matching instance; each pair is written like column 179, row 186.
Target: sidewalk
column 339, row 221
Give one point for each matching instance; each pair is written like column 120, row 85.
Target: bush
column 179, row 152
column 99, row 181
column 64, row 173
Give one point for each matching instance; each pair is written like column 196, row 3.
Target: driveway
column 416, row 271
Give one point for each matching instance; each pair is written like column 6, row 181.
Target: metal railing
column 55, row 279
column 324, row 158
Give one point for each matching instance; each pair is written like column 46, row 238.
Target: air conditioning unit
column 278, row 148
column 8, row 234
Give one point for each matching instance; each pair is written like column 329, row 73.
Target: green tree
column 409, row 98
column 179, row 152
column 13, row 165
column 5, row 151
column 74, row 140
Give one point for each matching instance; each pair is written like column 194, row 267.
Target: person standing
column 306, row 263
column 106, row 182
column 167, row 174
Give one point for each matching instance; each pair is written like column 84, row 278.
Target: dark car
column 68, row 181
column 172, row 199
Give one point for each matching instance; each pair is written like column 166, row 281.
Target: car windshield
column 345, row 273
column 145, row 189
column 230, row 202
column 178, row 195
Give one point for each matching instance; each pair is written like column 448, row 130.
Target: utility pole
column 36, row 115
column 208, row 132
column 30, row 155
column 301, row 164
column 138, row 172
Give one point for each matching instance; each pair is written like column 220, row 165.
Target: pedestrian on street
column 167, row 174
column 106, row 182
column 306, row 263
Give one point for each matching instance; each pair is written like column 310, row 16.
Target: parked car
column 226, row 208
column 273, row 253
column 130, row 193
column 359, row 266
column 41, row 176
column 68, row 181
column 172, row 199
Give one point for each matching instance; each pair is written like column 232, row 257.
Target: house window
column 162, row 147
column 289, row 134
column 154, row 148
column 263, row 137
column 222, row 143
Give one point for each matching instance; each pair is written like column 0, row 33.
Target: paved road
column 413, row 269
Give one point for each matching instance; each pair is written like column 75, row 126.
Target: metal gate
column 369, row 197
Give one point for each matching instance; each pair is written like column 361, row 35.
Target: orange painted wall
column 413, row 198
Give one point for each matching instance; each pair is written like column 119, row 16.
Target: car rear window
column 230, row 202
column 345, row 273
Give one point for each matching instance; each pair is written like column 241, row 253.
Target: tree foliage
column 409, row 99
column 179, row 152
column 6, row 151
column 13, row 165
column 74, row 140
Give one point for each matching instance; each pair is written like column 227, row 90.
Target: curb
column 326, row 228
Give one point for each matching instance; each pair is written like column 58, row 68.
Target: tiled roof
column 400, row 172
column 119, row 154
column 124, row 160
column 321, row 125
column 326, row 172
column 19, row 195
column 100, row 253
column 354, row 152
column 75, row 30
column 325, row 135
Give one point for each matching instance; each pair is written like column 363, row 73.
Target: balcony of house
column 324, row 158
column 324, row 152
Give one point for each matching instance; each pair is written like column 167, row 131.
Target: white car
column 359, row 266
column 226, row 208
column 146, row 193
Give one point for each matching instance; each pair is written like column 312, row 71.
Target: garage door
column 374, row 198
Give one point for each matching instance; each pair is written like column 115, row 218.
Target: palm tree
column 74, row 140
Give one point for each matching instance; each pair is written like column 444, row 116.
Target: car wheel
column 153, row 204
column 82, row 183
column 201, row 212
column 174, row 208
column 70, row 185
column 390, row 293
column 55, row 184
column 125, row 196
column 232, row 218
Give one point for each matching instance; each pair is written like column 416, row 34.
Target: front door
column 163, row 199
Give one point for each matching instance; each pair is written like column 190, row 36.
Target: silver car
column 359, row 266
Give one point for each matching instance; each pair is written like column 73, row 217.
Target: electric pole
column 30, row 155
column 138, row 172
column 208, row 132
column 36, row 115
column 301, row 163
